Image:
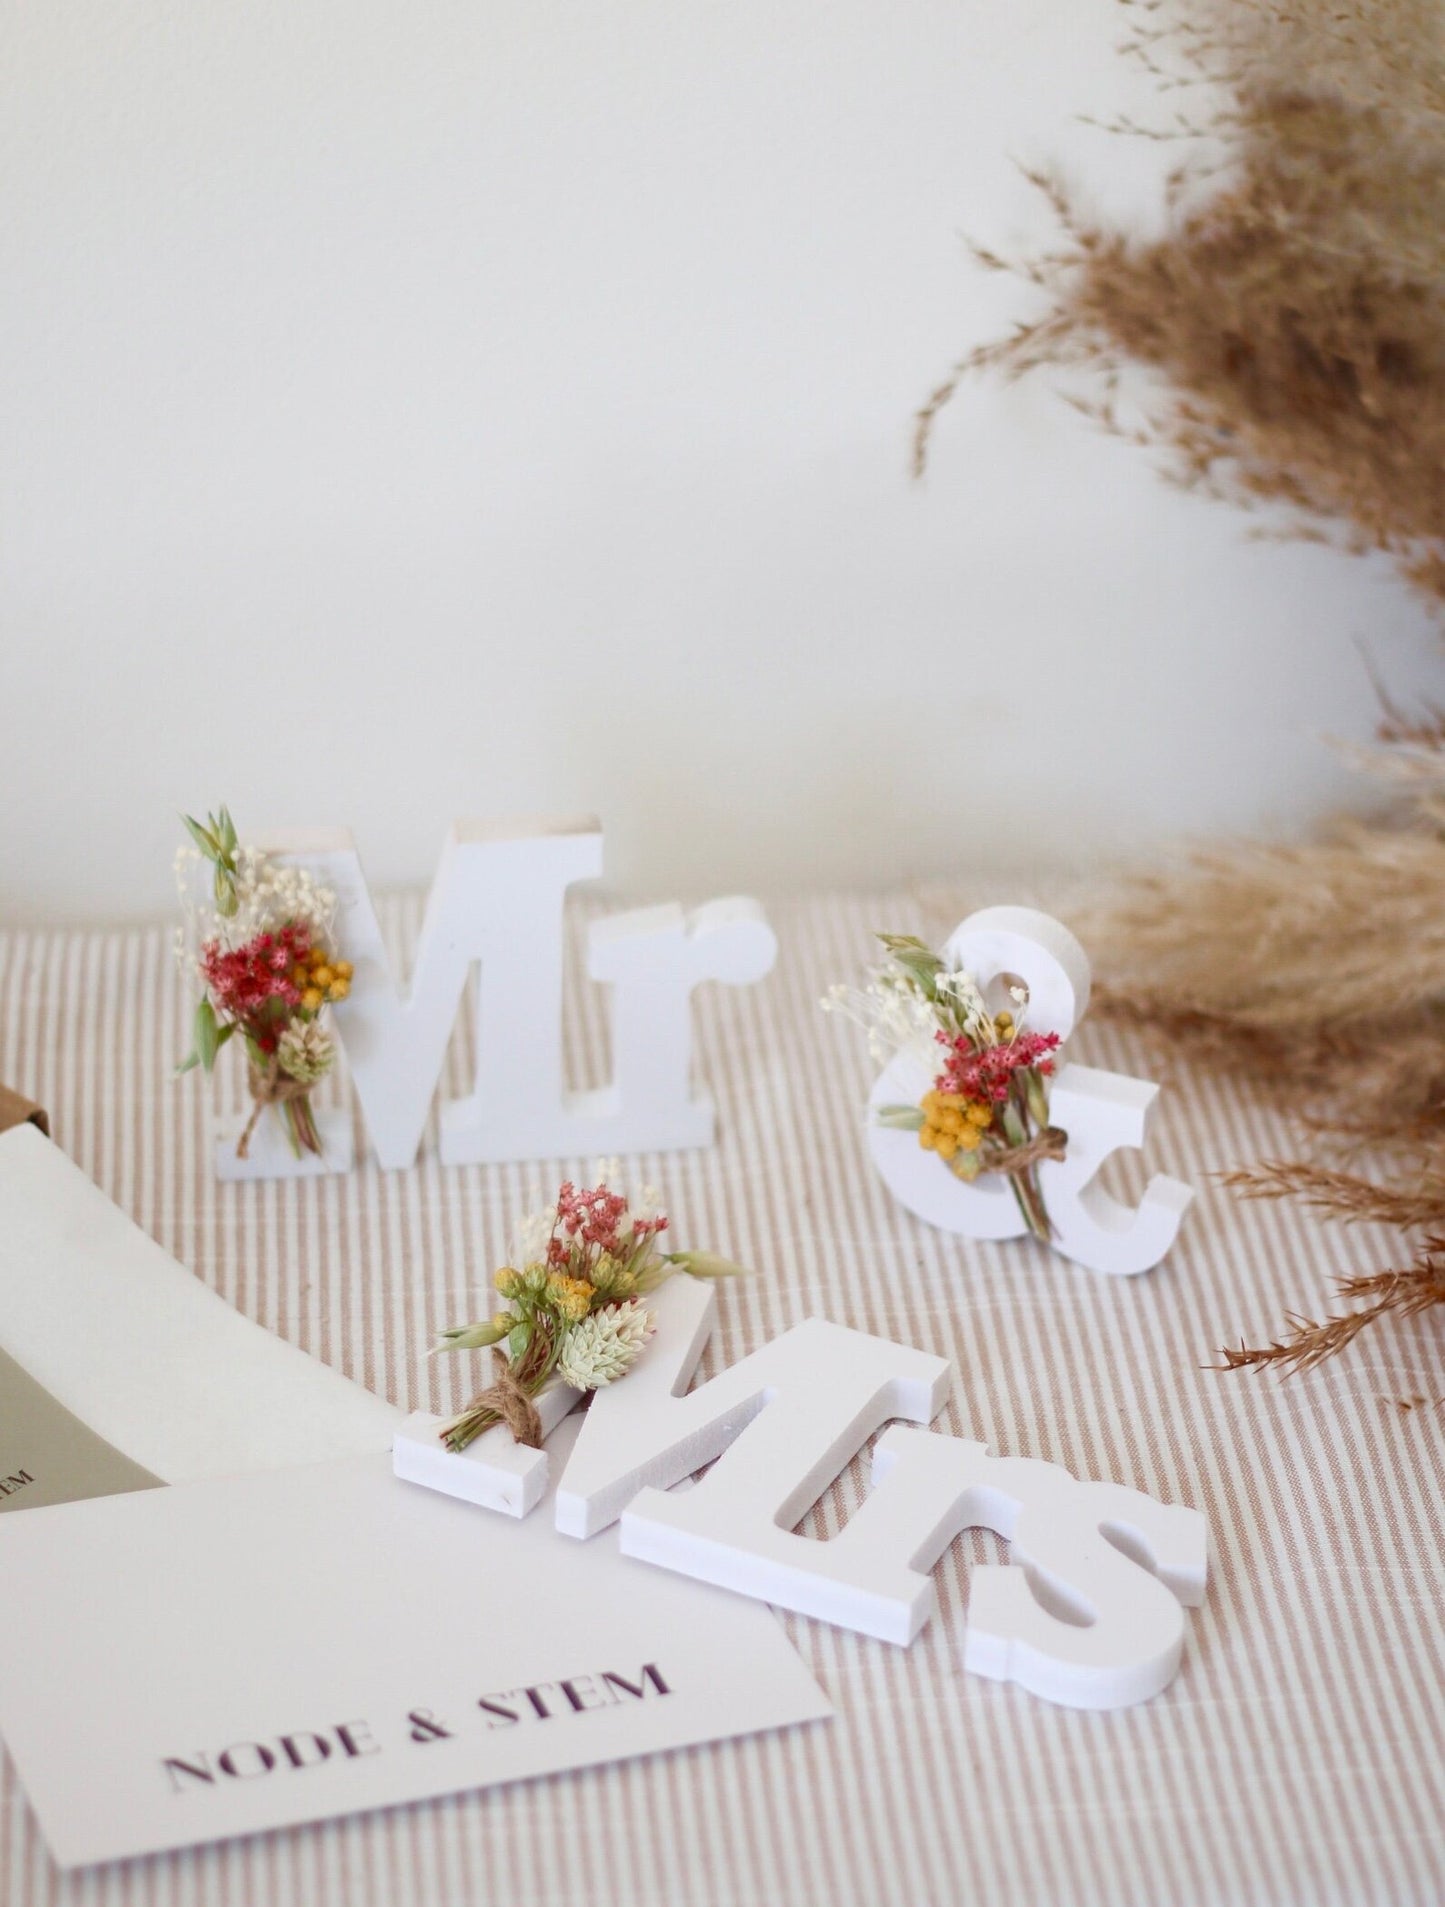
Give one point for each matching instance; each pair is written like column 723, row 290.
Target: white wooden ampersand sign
column 1087, row 1612
column 1100, row 1112
column 497, row 904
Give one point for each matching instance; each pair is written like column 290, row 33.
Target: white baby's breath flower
column 895, row 1016
column 531, row 1233
column 268, row 896
column 645, row 1203
column 605, row 1346
column 973, row 1014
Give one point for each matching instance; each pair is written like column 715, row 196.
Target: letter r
column 782, row 1424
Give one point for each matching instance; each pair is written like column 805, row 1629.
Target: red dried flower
column 244, row 980
column 987, row 1072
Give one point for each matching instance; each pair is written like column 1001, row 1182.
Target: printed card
column 250, row 1652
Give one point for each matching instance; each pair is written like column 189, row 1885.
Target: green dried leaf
column 705, row 1264
column 518, row 1338
column 901, row 1118
column 474, row 1337
column 206, row 842
column 207, row 1034
column 919, row 962
column 192, row 1058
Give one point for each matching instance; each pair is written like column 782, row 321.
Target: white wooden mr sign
column 496, row 905
column 1089, row 1610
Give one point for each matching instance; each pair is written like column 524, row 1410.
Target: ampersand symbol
column 426, row 1727
column 1101, row 1113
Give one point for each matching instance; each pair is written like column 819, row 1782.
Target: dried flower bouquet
column 988, row 1109
column 262, row 948
column 574, row 1305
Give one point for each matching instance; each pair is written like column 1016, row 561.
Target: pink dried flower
column 593, row 1215
column 987, row 1072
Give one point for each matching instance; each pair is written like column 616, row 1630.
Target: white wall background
column 418, row 407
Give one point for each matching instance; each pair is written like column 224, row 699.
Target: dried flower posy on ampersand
column 574, row 1305
column 988, row 1108
column 262, row 947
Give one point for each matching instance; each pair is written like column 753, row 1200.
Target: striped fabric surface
column 1300, row 1754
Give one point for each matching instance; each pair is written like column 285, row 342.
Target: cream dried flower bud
column 605, row 1346
column 305, row 1052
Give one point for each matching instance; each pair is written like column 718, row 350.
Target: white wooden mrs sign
column 1088, row 1611
column 1102, row 1113
column 497, row 903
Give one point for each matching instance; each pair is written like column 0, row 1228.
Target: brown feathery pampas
column 1298, row 312
column 1297, row 315
column 1317, row 971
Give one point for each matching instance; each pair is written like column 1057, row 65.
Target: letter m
column 781, row 1424
column 638, row 1688
column 496, row 901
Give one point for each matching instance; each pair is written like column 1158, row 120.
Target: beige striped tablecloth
column 1299, row 1756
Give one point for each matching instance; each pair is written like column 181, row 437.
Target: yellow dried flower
column 945, row 1124
column 612, row 1279
column 571, row 1298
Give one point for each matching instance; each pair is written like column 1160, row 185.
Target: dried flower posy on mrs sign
column 574, row 1305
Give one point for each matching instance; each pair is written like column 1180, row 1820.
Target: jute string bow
column 269, row 1088
column 1051, row 1143
column 509, row 1402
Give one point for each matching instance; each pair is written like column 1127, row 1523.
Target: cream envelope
column 120, row 1369
column 249, row 1652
